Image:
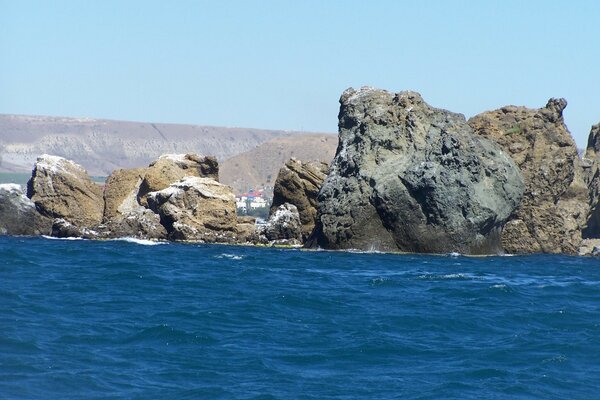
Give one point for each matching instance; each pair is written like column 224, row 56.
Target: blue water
column 85, row 319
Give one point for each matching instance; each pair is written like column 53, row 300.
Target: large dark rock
column 410, row 177
column 555, row 204
column 592, row 159
column 298, row 183
column 18, row 215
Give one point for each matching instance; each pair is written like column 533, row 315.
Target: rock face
column 196, row 208
column 284, row 225
column 298, row 183
column 555, row 205
column 170, row 168
column 410, row 177
column 62, row 189
column 18, row 215
column 592, row 158
column 121, row 192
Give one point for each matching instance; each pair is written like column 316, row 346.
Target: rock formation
column 555, row 204
column 18, row 215
column 196, row 208
column 62, row 189
column 283, row 226
column 592, row 160
column 170, row 168
column 410, row 177
column 298, row 183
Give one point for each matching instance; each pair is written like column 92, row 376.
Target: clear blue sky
column 283, row 64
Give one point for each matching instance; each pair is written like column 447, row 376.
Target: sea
column 131, row 319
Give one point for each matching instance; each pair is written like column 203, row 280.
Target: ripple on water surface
column 129, row 319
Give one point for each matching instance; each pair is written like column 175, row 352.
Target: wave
column 144, row 242
column 59, row 238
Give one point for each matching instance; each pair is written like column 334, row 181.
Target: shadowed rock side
column 555, row 204
column 18, row 215
column 62, row 189
column 298, row 183
column 592, row 162
column 413, row 178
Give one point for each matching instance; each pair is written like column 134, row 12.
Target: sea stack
column 409, row 177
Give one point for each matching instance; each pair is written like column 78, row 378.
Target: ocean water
column 122, row 319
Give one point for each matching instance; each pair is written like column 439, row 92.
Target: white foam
column 58, row 238
column 230, row 256
column 144, row 242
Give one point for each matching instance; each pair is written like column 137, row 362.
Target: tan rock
column 555, row 204
column 197, row 209
column 298, row 183
column 62, row 189
column 121, row 192
column 171, row 168
column 591, row 161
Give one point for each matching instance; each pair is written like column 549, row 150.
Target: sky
column 284, row 64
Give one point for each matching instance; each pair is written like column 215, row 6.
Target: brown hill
column 259, row 167
column 104, row 145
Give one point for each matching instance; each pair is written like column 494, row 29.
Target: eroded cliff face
column 555, row 205
column 410, row 177
column 592, row 163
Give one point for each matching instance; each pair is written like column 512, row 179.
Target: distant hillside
column 104, row 145
column 259, row 166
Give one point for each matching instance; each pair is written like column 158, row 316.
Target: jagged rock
column 298, row 183
column 555, row 205
column 121, row 193
column 589, row 247
column 62, row 228
column 197, row 209
column 409, row 177
column 246, row 230
column 170, row 168
column 592, row 162
column 18, row 215
column 284, row 226
column 141, row 223
column 62, row 189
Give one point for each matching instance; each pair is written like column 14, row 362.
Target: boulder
column 62, row 189
column 555, row 204
column 284, row 226
column 196, row 209
column 121, row 193
column 592, row 164
column 18, row 215
column 170, row 168
column 410, row 177
column 298, row 183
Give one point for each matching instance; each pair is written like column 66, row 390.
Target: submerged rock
column 410, row 177
column 18, row 215
column 196, row 209
column 555, row 204
column 284, row 226
column 62, row 189
column 298, row 183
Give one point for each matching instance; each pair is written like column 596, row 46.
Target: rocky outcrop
column 197, row 209
column 284, row 226
column 409, row 177
column 592, row 163
column 298, row 183
column 121, row 193
column 555, row 204
column 18, row 215
column 62, row 189
column 170, row 168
